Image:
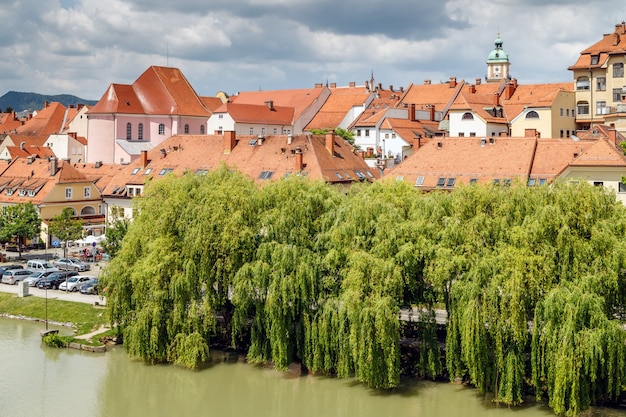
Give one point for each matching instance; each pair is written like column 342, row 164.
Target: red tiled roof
column 533, row 95
column 258, row 113
column 26, row 151
column 480, row 99
column 341, row 101
column 610, row 44
column 48, row 121
column 8, row 122
column 159, row 90
column 299, row 99
column 439, row 95
column 192, row 153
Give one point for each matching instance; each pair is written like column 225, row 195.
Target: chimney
column 144, row 158
column 472, row 88
column 163, row 153
column 402, row 89
column 426, row 82
column 478, row 81
column 330, row 142
column 361, row 153
column 229, row 141
column 439, row 145
column 289, row 139
column 98, row 164
column 367, row 85
column 46, row 104
column 333, row 85
column 73, row 134
column 269, row 104
column 298, row 161
column 412, row 112
column 417, row 142
column 510, row 88
column 529, row 133
column 452, row 82
column 53, row 167
column 31, row 159
column 391, row 88
column 496, row 99
column 318, row 85
column 613, row 136
column 352, row 84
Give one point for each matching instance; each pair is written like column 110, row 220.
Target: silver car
column 13, row 276
column 71, row 264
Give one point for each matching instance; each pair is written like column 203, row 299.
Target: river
column 36, row 380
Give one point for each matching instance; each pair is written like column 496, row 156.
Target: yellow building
column 600, row 83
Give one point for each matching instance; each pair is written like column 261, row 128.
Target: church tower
column 498, row 63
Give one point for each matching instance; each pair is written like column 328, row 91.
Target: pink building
column 130, row 119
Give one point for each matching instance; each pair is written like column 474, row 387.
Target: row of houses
column 434, row 135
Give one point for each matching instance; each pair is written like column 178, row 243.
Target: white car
column 73, row 283
column 13, row 276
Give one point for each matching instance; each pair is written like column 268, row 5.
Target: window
column 506, row 181
column 367, row 132
column 68, row 192
column 202, row 129
column 149, row 170
column 461, row 134
column 88, row 211
column 601, row 83
column 618, row 70
column 266, row 175
column 472, row 134
column 441, row 182
column 601, row 107
column 129, row 131
column 275, row 131
column 339, row 176
column 420, row 181
column 598, row 184
column 400, row 178
column 21, row 192
column 561, row 133
column 450, row 182
column 135, row 171
column 386, row 135
column 583, row 107
column 100, row 209
column 9, row 191
column 532, row 115
column 163, row 171
column 531, row 182
column 561, row 111
column 31, row 193
column 622, row 187
column 87, row 192
column 473, row 180
column 221, row 116
column 467, row 116
column 161, row 129
column 140, row 131
column 542, row 181
column 594, row 59
column 263, row 131
column 358, row 132
column 567, row 112
column 252, row 131
column 582, row 83
column 186, row 129
column 617, row 95
column 496, row 181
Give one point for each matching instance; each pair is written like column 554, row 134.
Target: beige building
column 600, row 83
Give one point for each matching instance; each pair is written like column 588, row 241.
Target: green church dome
column 498, row 54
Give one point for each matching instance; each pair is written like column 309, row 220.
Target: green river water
column 39, row 381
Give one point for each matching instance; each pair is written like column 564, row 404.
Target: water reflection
column 40, row 381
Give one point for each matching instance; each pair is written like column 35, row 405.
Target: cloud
column 81, row 46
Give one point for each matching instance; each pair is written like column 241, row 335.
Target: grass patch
column 84, row 317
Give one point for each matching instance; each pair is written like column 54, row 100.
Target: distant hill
column 32, row 101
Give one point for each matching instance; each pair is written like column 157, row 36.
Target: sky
column 80, row 47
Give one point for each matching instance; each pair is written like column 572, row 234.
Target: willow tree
column 283, row 286
column 172, row 274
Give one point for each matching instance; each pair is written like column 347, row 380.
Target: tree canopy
column 20, row 221
column 532, row 280
column 66, row 227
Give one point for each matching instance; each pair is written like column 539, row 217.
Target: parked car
column 40, row 265
column 90, row 287
column 8, row 267
column 55, row 279
column 13, row 276
column 34, row 277
column 71, row 264
column 73, row 283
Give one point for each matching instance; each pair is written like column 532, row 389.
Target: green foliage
column 55, row 340
column 339, row 131
column 116, row 230
column 66, row 227
column 20, row 221
column 531, row 279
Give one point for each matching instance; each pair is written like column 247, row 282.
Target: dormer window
column 595, row 59
column 21, row 192
column 9, row 191
column 467, row 116
column 31, row 193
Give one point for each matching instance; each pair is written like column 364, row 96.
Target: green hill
column 19, row 101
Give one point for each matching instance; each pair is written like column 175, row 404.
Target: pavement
column 51, row 254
